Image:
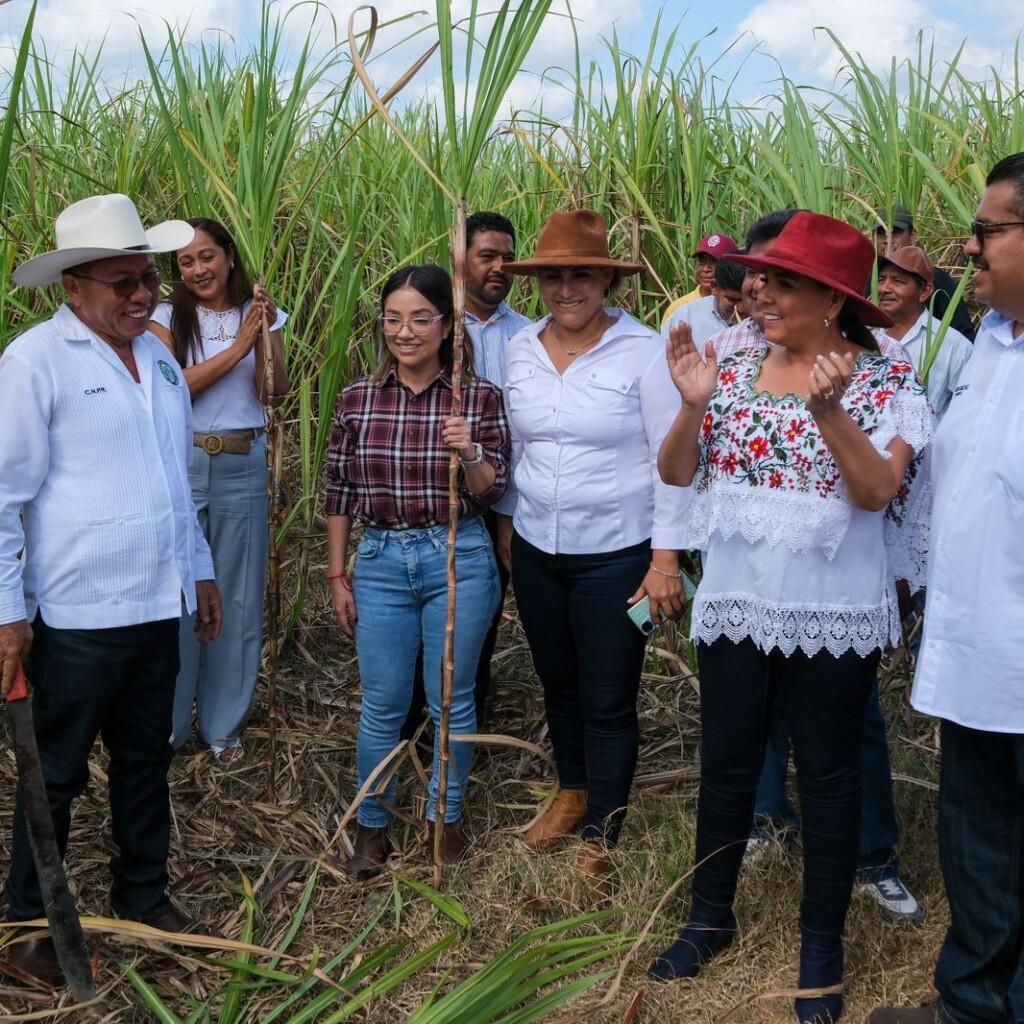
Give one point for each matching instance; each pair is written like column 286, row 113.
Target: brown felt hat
column 913, row 259
column 578, row 238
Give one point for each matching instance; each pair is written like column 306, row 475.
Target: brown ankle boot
column 594, row 865
column 369, row 853
column 558, row 821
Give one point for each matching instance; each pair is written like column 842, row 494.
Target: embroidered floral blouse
column 789, row 561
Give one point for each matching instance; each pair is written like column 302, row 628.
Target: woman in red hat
column 589, row 400
column 801, row 456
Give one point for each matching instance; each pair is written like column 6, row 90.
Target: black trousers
column 589, row 656
column 482, row 690
column 824, row 701
column 118, row 684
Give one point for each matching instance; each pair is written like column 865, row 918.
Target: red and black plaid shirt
column 387, row 464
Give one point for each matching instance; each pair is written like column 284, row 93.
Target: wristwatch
column 477, row 460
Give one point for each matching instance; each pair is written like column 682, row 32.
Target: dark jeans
column 823, row 701
column 482, row 690
column 980, row 972
column 118, row 684
column 588, row 655
column 879, row 833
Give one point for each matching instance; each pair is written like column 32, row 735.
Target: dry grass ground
column 223, row 827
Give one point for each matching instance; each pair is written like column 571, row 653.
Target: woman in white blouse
column 213, row 325
column 593, row 529
column 801, row 456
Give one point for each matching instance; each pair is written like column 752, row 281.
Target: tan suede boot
column 558, row 821
column 594, row 865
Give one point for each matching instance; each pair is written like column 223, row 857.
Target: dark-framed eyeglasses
column 981, row 229
column 419, row 325
column 125, row 287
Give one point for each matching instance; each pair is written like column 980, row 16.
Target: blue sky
column 772, row 34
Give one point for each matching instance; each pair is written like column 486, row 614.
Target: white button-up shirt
column 585, row 443
column 94, row 471
column 491, row 338
column 949, row 361
column 970, row 669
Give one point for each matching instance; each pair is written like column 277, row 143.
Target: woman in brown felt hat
column 588, row 527
column 800, row 455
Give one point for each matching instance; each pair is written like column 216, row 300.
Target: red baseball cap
column 716, row 246
column 828, row 251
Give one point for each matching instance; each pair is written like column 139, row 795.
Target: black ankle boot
column 821, row 966
column 708, row 931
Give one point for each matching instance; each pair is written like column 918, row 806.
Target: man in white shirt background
column 905, row 284
column 970, row 673
column 716, row 312
column 99, row 549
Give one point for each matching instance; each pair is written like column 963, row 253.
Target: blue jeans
column 980, row 972
column 400, row 587
column 879, row 833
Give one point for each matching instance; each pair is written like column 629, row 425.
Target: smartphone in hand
column 640, row 613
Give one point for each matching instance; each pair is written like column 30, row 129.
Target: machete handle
column 19, row 688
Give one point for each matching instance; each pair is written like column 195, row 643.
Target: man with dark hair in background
column 969, row 673
column 713, row 313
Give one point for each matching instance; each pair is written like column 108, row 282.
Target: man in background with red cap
column 905, row 286
column 711, row 249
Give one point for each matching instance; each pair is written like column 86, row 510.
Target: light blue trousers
column 230, row 493
column 400, row 588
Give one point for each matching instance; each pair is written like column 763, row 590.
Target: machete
column 61, row 913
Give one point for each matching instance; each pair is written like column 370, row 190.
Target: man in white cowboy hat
column 99, row 547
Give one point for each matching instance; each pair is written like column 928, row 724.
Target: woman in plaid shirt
column 387, row 468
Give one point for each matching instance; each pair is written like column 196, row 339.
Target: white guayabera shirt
column 585, row 443
column 491, row 338
column 970, row 669
column 96, row 466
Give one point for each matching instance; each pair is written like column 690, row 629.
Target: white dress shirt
column 491, row 338
column 703, row 318
column 95, row 482
column 585, row 443
column 949, row 361
column 971, row 666
column 230, row 403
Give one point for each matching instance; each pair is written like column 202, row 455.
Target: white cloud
column 879, row 30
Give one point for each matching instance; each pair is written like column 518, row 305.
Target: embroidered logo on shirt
column 95, row 391
column 168, row 371
column 960, row 389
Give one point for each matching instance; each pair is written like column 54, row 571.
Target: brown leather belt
column 234, row 442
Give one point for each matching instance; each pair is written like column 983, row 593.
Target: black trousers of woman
column 588, row 655
column 824, row 700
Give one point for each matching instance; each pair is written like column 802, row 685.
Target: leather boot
column 175, row 921
column 594, row 865
column 558, row 821
column 454, row 843
column 369, row 853
column 37, row 958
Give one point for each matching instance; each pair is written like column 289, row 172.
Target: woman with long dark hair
column 387, row 469
column 801, row 455
column 213, row 325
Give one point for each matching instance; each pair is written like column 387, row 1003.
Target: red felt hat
column 828, row 251
column 716, row 246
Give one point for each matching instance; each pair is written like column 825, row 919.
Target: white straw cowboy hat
column 97, row 228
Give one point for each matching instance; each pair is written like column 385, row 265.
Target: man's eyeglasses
column 125, row 287
column 419, row 325
column 981, row 229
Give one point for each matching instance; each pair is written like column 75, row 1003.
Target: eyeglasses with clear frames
column 981, row 229
column 419, row 325
column 124, row 287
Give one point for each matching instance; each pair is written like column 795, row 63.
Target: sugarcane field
column 452, row 455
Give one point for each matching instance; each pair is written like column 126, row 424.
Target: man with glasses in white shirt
column 969, row 673
column 99, row 550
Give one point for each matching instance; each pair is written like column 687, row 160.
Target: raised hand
column 828, row 381
column 694, row 377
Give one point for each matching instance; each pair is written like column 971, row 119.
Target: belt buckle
column 213, row 444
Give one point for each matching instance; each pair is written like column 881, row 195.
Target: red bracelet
column 338, row 576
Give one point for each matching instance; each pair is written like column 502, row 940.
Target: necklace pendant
column 571, row 351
